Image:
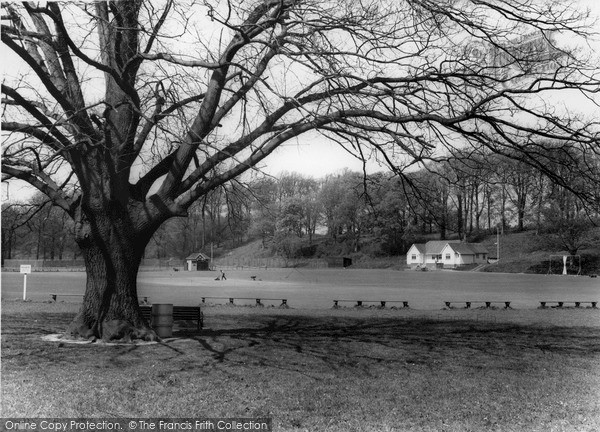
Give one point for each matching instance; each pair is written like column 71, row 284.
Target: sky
column 314, row 156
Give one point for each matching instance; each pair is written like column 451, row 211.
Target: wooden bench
column 54, row 296
column 258, row 301
column 488, row 304
column 560, row 304
column 180, row 313
column 359, row 303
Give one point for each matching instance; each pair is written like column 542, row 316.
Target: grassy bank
column 520, row 252
column 315, row 371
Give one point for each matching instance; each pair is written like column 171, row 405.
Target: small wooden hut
column 339, row 262
column 197, row 261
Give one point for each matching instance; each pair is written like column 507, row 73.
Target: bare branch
column 41, row 182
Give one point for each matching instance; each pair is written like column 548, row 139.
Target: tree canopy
column 176, row 98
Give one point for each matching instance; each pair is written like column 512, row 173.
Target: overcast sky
column 315, row 157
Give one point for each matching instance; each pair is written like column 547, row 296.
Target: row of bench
column 258, row 301
column 194, row 313
column 404, row 303
column 359, row 303
column 543, row 304
column 142, row 300
column 560, row 304
column 382, row 303
column 468, row 304
column 488, row 304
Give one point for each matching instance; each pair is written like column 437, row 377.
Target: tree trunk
column 39, row 243
column 52, row 247
column 466, row 214
column 444, row 220
column 470, row 207
column 521, row 218
column 540, row 205
column 459, row 214
column 488, row 200
column 503, row 210
column 112, row 253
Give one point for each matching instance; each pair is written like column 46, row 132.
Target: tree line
column 379, row 214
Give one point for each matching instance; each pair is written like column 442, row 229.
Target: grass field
column 318, row 370
column 311, row 368
column 317, row 288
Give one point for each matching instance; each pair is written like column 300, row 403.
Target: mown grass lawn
column 335, row 371
column 317, row 288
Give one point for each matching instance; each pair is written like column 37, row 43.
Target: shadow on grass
column 329, row 335
column 313, row 372
column 350, row 341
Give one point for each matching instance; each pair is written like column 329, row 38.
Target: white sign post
column 25, row 270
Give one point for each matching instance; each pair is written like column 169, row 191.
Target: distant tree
column 390, row 214
column 265, row 209
column 332, row 196
column 352, row 213
column 428, row 193
column 312, row 213
column 124, row 113
column 212, row 205
column 570, row 231
column 294, row 185
column 290, row 219
column 539, row 197
column 518, row 181
column 238, row 212
column 50, row 229
column 14, row 218
column 299, row 192
column 343, row 198
column 288, row 230
column 286, row 244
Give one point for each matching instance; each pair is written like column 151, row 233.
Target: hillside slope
column 526, row 252
column 522, row 252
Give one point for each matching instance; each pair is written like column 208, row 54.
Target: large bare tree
column 124, row 113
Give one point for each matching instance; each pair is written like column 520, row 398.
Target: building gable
column 416, row 254
column 418, row 248
column 198, row 256
column 435, row 247
column 468, row 248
